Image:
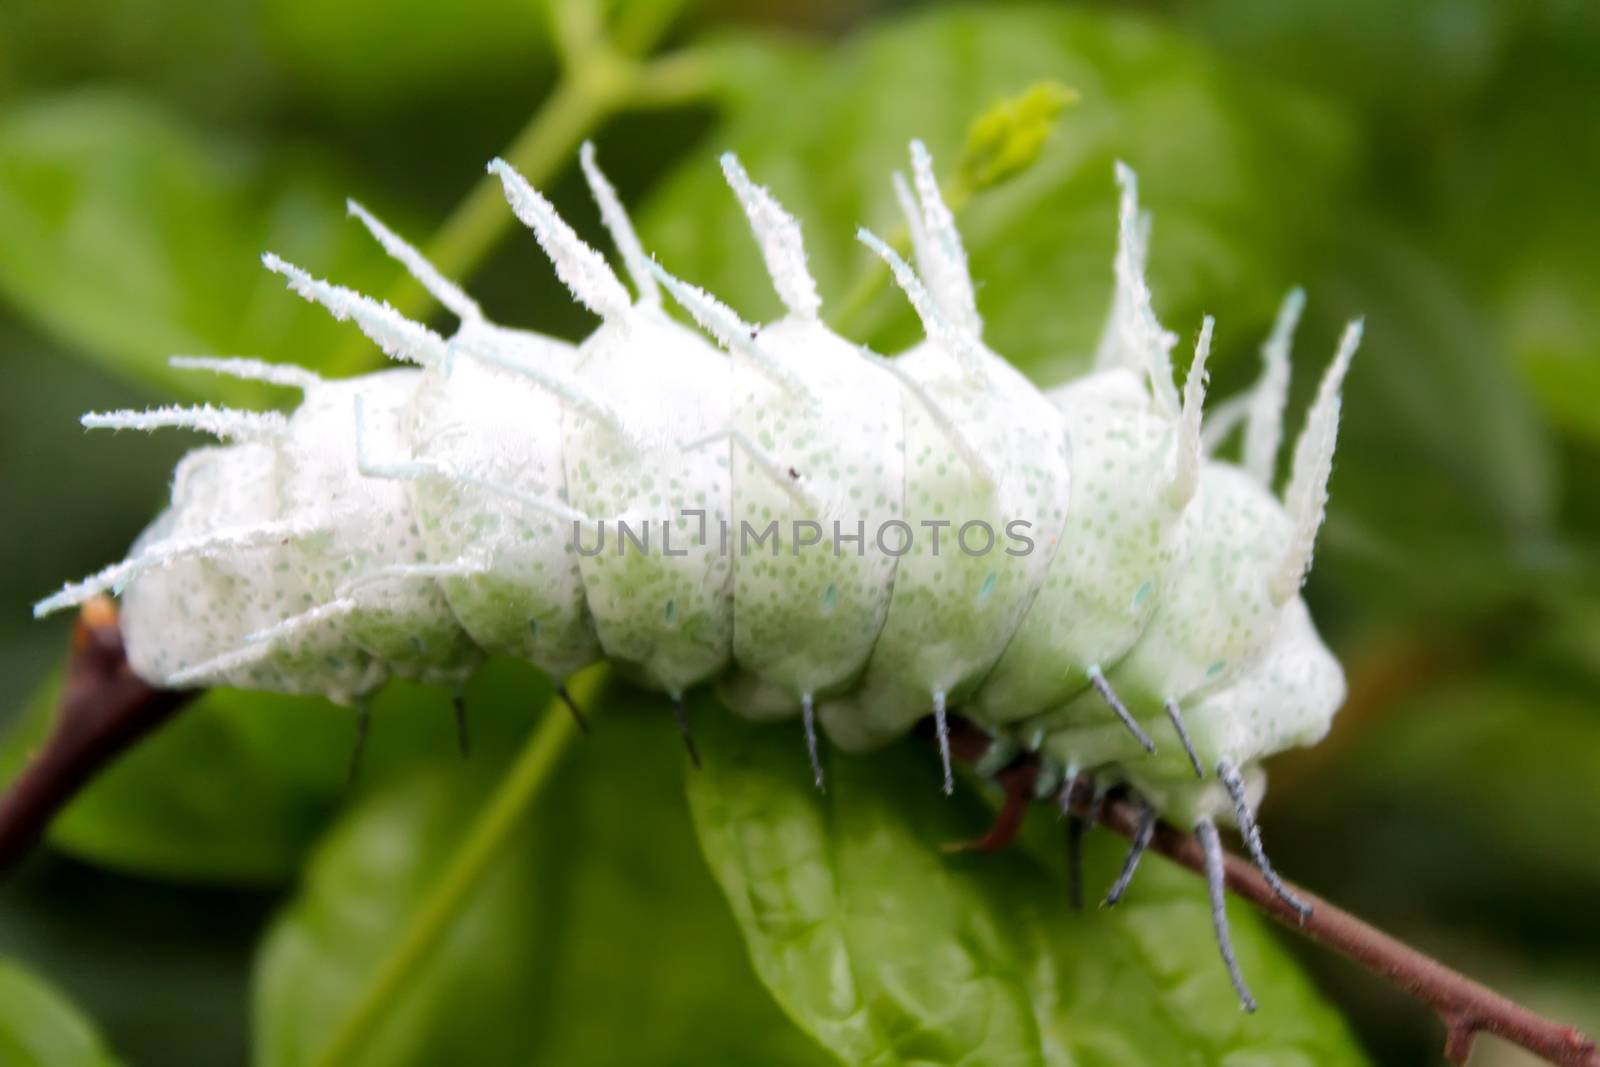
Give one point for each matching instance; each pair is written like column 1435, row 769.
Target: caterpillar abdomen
column 495, row 445
column 859, row 540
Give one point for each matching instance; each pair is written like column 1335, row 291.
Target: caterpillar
column 827, row 534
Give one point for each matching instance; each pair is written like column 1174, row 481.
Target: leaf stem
column 499, row 817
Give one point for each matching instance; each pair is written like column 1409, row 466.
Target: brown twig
column 1467, row 1008
column 104, row 709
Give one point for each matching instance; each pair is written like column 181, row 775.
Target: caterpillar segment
column 853, row 541
column 817, row 416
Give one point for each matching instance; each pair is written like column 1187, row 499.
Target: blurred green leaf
column 597, row 939
column 365, row 879
column 365, row 55
column 133, row 238
column 237, row 787
column 1527, row 153
column 1493, row 765
column 1477, row 493
column 39, row 1028
column 207, row 55
column 1233, row 175
column 888, row 951
column 1435, row 55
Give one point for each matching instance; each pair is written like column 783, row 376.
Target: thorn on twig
column 1459, row 1037
column 104, row 709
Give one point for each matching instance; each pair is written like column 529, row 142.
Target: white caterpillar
column 408, row 522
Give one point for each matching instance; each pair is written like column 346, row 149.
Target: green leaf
column 208, row 56
column 889, row 951
column 370, row 55
column 1476, row 495
column 1431, row 56
column 1433, row 381
column 1494, row 765
column 237, row 787
column 132, row 238
column 596, row 939
column 366, row 877
column 1231, row 173
column 40, row 1028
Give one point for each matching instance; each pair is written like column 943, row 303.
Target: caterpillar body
column 411, row 521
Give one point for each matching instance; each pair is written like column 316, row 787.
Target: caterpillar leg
column 681, row 714
column 1183, row 737
column 1109, row 695
column 1096, row 804
column 942, row 726
column 1007, row 821
column 808, row 717
column 458, row 708
column 1141, row 841
column 565, row 696
column 1076, row 828
column 1231, row 780
column 363, row 724
column 1206, row 831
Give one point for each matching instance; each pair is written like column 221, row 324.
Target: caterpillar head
column 222, row 567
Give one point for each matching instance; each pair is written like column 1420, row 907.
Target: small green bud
column 1006, row 139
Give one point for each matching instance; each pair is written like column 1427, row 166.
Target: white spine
column 216, row 542
column 778, row 234
column 227, row 424
column 960, row 344
column 1264, row 423
column 1186, row 477
column 731, row 332
column 251, row 370
column 398, row 336
column 567, row 389
column 1134, row 337
column 941, row 256
column 615, row 217
column 447, row 292
column 583, row 270
column 261, row 644
column 1306, row 498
